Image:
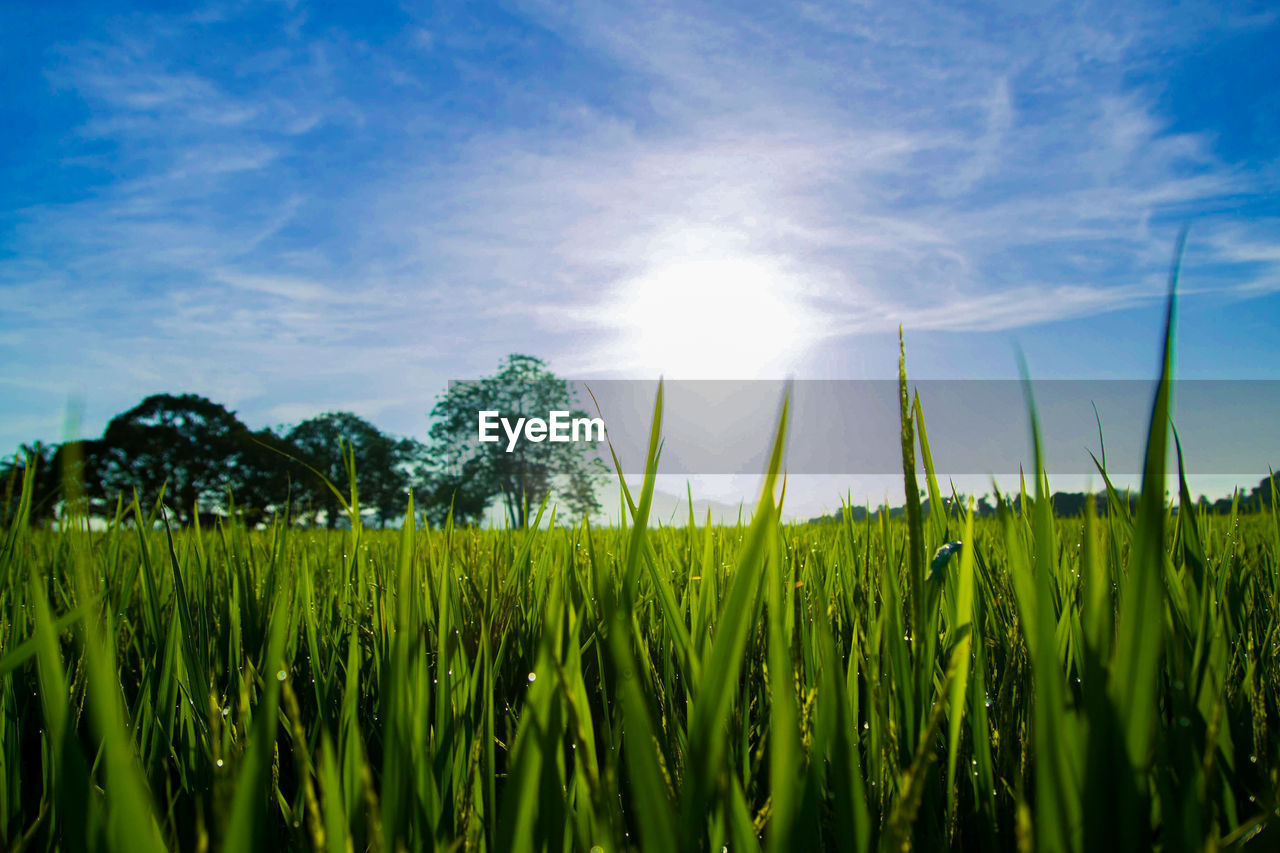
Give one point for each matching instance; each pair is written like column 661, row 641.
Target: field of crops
column 1103, row 682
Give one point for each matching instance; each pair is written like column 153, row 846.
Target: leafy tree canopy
column 471, row 474
column 194, row 447
column 385, row 467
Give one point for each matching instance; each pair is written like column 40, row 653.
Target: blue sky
column 293, row 208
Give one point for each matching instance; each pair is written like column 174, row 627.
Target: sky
column 293, row 208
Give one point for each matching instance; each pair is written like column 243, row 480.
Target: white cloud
column 880, row 163
column 905, row 171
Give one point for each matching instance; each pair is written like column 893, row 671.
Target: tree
column 53, row 468
column 33, row 465
column 269, row 480
column 579, row 491
column 463, row 493
column 194, row 447
column 473, row 472
column 1260, row 495
column 385, row 467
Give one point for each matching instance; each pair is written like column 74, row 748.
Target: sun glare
column 715, row 319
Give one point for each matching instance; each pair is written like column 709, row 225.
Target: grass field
column 1095, row 683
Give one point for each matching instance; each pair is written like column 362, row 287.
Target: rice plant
column 940, row 681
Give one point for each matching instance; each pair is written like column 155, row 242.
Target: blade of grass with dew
column 710, row 714
column 960, row 642
column 246, row 824
column 1055, row 732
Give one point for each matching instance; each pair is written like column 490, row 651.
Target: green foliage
column 34, row 461
column 196, row 458
column 1055, row 684
column 191, row 446
column 684, row 682
column 468, row 475
column 388, row 467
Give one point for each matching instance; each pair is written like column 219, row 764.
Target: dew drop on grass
column 280, row 676
column 533, row 676
column 218, row 762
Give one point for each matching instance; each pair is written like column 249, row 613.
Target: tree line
column 198, row 459
column 1069, row 504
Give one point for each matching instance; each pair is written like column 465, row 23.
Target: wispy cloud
column 250, row 198
column 950, row 175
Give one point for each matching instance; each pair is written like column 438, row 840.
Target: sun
column 721, row 318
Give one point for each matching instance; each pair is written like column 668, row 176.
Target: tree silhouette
column 34, row 461
column 385, row 467
column 464, row 492
column 192, row 446
column 1261, row 494
column 268, row 481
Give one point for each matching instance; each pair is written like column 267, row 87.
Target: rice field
column 1103, row 682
